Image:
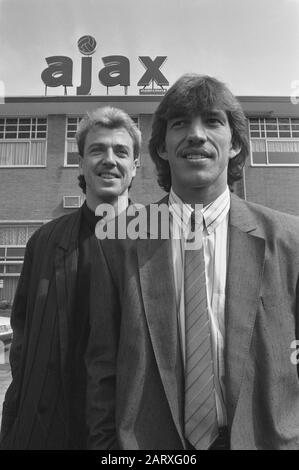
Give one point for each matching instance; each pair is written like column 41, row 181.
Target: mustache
column 195, row 150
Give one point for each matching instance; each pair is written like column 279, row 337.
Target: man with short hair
column 44, row 407
column 203, row 338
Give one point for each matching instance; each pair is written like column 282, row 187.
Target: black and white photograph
column 149, row 227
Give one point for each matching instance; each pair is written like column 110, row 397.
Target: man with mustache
column 202, row 336
column 44, row 406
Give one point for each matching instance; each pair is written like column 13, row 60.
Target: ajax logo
column 116, row 71
column 87, row 45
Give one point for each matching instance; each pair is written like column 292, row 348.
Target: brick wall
column 145, row 188
column 36, row 193
column 274, row 187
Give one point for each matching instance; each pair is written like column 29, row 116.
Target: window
column 71, row 144
column 23, row 141
column 274, row 141
column 17, row 234
column 11, row 259
column 71, row 157
column 13, row 239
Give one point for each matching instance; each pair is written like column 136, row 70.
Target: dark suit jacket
column 135, row 393
column 35, row 410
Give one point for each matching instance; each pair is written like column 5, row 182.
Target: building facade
column 39, row 169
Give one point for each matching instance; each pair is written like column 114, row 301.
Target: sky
column 252, row 45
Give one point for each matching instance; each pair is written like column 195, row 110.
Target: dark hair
column 109, row 118
column 193, row 94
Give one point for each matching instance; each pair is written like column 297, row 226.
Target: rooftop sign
column 116, row 71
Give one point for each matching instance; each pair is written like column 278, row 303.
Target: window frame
column 266, row 140
column 11, row 260
column 69, row 139
column 27, row 140
column 13, row 224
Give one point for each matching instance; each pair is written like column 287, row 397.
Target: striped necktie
column 200, row 405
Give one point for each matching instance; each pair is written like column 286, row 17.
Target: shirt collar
column 216, row 211
column 89, row 217
column 213, row 214
column 180, row 211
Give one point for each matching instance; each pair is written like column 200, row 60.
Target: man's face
column 198, row 148
column 108, row 165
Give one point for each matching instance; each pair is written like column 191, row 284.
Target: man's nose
column 197, row 131
column 109, row 157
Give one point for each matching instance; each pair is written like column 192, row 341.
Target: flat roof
column 77, row 105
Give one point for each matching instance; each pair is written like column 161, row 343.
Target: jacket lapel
column 66, row 262
column 43, row 306
column 158, row 291
column 244, row 276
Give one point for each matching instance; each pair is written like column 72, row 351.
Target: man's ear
column 234, row 151
column 162, row 152
column 135, row 163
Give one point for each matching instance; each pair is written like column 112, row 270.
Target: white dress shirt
column 215, row 245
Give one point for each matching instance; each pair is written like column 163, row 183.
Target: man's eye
column 121, row 152
column 215, row 121
column 179, row 123
column 96, row 150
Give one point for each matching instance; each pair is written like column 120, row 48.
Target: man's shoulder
column 267, row 212
column 268, row 219
column 54, row 229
